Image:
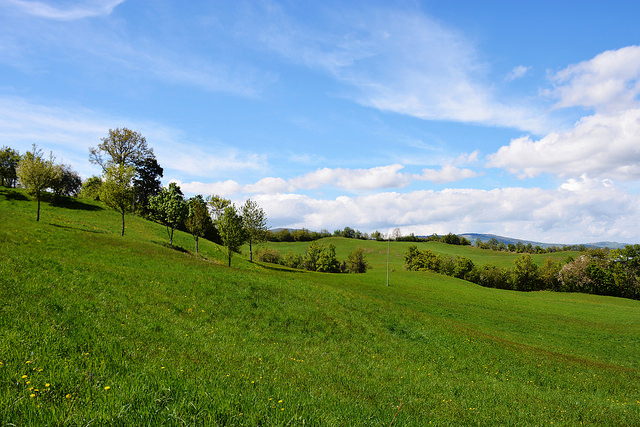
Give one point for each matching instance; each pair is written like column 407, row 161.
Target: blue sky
column 512, row 118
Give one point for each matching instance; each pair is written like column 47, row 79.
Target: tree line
column 317, row 257
column 599, row 271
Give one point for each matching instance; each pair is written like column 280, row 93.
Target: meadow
column 96, row 328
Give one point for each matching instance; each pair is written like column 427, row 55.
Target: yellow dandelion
column 47, row 385
column 32, row 395
column 107, row 387
column 280, row 401
column 28, row 361
column 68, row 396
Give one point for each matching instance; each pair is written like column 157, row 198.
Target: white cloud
column 516, row 73
column 354, row 179
column 398, row 61
column 578, row 211
column 608, row 82
column 71, row 11
column 226, row 188
column 269, row 185
column 601, row 145
column 448, row 173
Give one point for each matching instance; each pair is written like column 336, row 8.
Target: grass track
column 131, row 331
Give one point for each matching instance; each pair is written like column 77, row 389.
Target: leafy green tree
column 121, row 147
column 91, row 188
column 549, row 274
column 116, row 188
column 217, row 204
column 169, row 208
column 231, row 230
column 36, row 173
column 9, row 159
column 463, row 266
column 66, row 181
column 417, row 260
column 255, row 224
column 327, row 261
column 357, row 262
column 198, row 219
column 526, row 276
column 311, row 257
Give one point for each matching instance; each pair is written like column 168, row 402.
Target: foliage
column 169, row 208
column 269, row 255
column 91, row 188
column 198, row 219
column 357, row 262
column 121, row 147
column 9, row 159
column 66, row 181
column 327, row 261
column 254, row 221
column 231, row 230
column 116, row 189
column 147, row 181
column 217, row 205
column 526, row 276
column 293, row 260
column 36, row 173
column 425, row 260
column 311, row 257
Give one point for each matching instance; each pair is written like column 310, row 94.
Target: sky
column 520, row 119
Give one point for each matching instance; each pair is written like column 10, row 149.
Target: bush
column 356, row 262
column 269, row 255
column 292, row 260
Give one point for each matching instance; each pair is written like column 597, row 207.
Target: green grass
column 182, row 339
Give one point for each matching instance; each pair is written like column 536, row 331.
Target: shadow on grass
column 71, row 203
column 174, row 247
column 277, row 267
column 78, row 229
column 10, row 194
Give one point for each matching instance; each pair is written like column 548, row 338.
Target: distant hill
column 510, row 240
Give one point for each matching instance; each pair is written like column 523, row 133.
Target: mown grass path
column 96, row 328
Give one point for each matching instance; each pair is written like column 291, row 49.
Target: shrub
column 356, row 262
column 269, row 255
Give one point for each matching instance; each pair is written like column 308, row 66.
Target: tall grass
column 96, row 328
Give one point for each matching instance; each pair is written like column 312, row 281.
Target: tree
column 229, row 225
column 255, row 224
column 122, row 147
column 526, row 276
column 9, row 159
column 217, row 204
column 356, row 261
column 327, row 261
column 198, row 219
column 36, row 173
column 169, row 208
column 116, row 188
column 311, row 257
column 66, row 181
column 147, row 181
column 91, row 188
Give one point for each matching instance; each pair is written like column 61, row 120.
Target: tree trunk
column 122, row 233
column 38, row 214
column 229, row 251
column 196, row 244
column 250, row 252
column 171, row 238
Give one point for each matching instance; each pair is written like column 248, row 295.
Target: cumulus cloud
column 354, row 179
column 66, row 12
column 448, row 173
column 608, row 82
column 579, row 209
column 600, row 145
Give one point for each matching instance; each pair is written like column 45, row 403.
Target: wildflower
column 68, row 396
column 24, row 376
column 47, row 385
column 107, row 387
column 32, row 395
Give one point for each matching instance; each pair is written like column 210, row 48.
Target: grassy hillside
column 96, row 328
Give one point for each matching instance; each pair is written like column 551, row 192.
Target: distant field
column 100, row 329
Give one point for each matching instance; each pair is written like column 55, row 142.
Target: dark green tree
column 66, row 181
column 9, row 159
column 91, row 188
column 146, row 182
column 357, row 262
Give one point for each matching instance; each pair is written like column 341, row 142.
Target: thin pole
column 388, row 246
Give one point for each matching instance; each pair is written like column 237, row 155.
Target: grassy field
column 98, row 328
